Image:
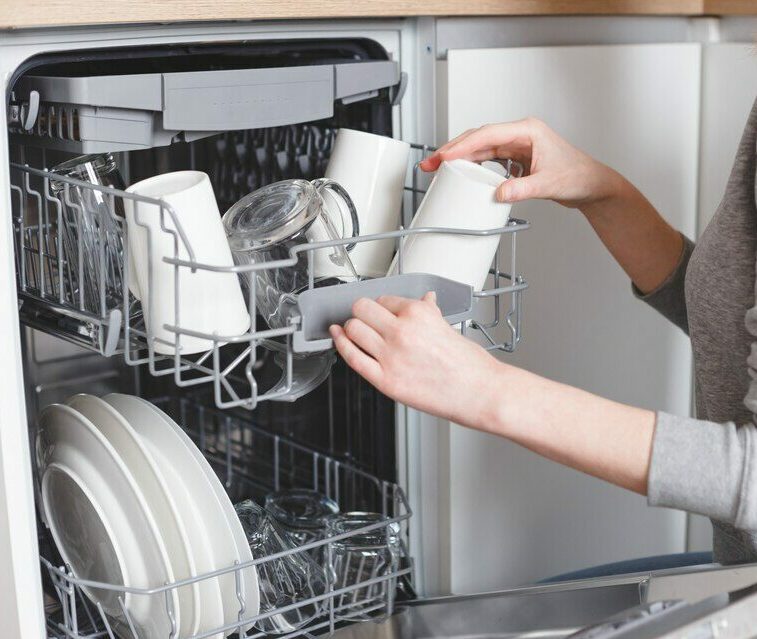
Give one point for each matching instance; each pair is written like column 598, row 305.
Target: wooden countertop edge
column 19, row 14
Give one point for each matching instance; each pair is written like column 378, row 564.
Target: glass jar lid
column 270, row 214
column 301, row 508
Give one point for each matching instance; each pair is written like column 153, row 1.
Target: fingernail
column 504, row 193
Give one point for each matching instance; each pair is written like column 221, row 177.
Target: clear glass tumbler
column 92, row 237
column 264, row 227
column 290, row 579
column 303, row 516
column 363, row 557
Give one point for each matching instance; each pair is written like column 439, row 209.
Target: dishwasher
column 248, row 109
column 249, row 105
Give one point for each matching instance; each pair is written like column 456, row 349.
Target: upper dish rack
column 50, row 299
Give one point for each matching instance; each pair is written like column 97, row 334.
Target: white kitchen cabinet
column 511, row 516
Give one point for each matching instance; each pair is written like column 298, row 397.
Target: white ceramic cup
column 461, row 196
column 209, row 302
column 372, row 168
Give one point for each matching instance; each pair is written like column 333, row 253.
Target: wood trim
column 16, row 14
column 729, row 7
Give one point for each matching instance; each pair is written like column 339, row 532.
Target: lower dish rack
column 51, row 293
column 251, row 462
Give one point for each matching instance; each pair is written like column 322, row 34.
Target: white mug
column 461, row 196
column 209, row 302
column 372, row 168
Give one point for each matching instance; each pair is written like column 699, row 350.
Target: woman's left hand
column 407, row 350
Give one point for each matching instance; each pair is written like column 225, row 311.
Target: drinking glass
column 91, row 235
column 286, row 580
column 303, row 515
column 267, row 224
column 362, row 557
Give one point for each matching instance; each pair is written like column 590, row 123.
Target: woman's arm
column 407, row 350
column 643, row 243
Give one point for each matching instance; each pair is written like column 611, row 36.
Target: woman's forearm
column 641, row 241
column 591, row 434
column 407, row 350
column 600, row 437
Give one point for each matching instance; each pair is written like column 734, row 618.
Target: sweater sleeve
column 668, row 298
column 707, row 467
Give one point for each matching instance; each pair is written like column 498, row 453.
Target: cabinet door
column 514, row 517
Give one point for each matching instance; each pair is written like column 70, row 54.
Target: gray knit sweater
column 708, row 465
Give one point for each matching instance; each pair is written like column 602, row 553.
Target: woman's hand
column 554, row 169
column 407, row 350
column 641, row 241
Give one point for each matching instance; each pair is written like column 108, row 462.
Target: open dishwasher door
column 702, row 602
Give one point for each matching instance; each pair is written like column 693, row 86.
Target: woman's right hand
column 553, row 168
column 642, row 242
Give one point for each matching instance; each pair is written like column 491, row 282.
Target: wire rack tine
column 171, row 612
column 106, row 623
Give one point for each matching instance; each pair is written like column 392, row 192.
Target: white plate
column 83, row 534
column 111, row 501
column 184, row 484
column 215, row 511
column 149, row 477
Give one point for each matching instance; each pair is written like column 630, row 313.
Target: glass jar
column 266, row 225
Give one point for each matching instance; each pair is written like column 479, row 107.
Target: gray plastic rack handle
column 322, row 307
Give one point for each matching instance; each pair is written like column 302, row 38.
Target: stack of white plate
column 131, row 501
